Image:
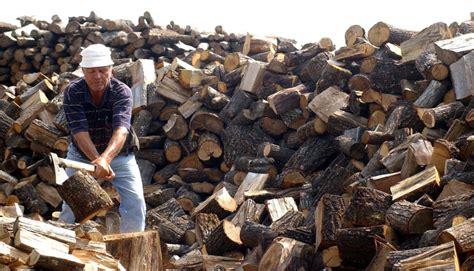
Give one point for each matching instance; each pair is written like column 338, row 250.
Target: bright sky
column 302, row 20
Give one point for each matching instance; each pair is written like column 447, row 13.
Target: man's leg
column 129, row 185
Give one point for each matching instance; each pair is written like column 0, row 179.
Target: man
column 98, row 112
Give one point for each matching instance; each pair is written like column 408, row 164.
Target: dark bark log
column 329, row 216
column 409, row 218
column 367, row 207
column 225, row 237
column 350, row 241
column 382, row 33
column 82, row 186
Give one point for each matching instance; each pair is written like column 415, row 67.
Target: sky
column 302, row 20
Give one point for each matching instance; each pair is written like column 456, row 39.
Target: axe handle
column 77, row 165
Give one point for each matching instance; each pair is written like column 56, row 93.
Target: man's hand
column 103, row 171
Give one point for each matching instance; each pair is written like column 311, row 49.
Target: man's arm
column 103, row 171
column 86, row 145
column 115, row 144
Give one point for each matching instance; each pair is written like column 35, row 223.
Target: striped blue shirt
column 100, row 121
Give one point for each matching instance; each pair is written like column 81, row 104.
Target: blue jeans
column 128, row 184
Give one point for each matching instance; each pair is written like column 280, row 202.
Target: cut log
column 311, row 128
column 445, row 211
column 172, row 150
column 187, row 199
column 387, row 74
column 82, row 186
column 340, row 121
column 141, row 122
column 461, row 235
column 176, row 128
column 29, row 197
column 238, row 102
column 442, row 114
column 350, row 241
column 428, row 64
column 361, row 49
column 277, row 208
column 300, row 56
column 382, row 33
column 192, row 105
column 249, row 210
column 287, row 254
column 277, row 152
column 450, row 50
column 253, row 77
column 461, row 76
column 305, row 160
column 350, row 147
column 155, row 195
column 41, row 132
column 136, row 251
column 45, row 229
column 394, row 257
column 416, row 185
column 442, row 257
column 311, row 70
column 206, row 121
column 432, row 95
column 151, row 142
column 442, row 151
column 286, row 99
column 212, row 99
column 155, row 156
column 12, row 256
column 253, row 181
column 353, row 33
column 225, row 237
column 255, row 165
column 209, row 146
column 409, row 218
column 367, row 207
column 332, row 180
column 219, row 203
column 50, row 259
column 384, row 182
column 44, row 85
column 5, row 124
column 26, row 117
column 242, row 141
column 253, row 234
column 328, row 216
column 29, row 241
column 333, row 75
column 205, row 224
column 172, row 90
column 421, row 41
column 382, row 251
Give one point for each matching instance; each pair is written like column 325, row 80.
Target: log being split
column 85, row 196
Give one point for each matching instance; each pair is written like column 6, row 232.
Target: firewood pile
column 254, row 153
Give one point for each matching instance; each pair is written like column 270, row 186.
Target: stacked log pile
column 255, row 153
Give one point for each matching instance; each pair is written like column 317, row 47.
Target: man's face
column 97, row 78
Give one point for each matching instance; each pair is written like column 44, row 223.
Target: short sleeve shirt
column 100, row 121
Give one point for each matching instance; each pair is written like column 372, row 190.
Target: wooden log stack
column 254, row 154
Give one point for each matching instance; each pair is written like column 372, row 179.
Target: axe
column 59, row 165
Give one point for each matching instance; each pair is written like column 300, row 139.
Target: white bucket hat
column 96, row 55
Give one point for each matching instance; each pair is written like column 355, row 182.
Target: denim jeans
column 128, row 184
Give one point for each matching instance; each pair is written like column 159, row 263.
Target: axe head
column 60, row 175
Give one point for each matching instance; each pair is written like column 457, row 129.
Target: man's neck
column 97, row 96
